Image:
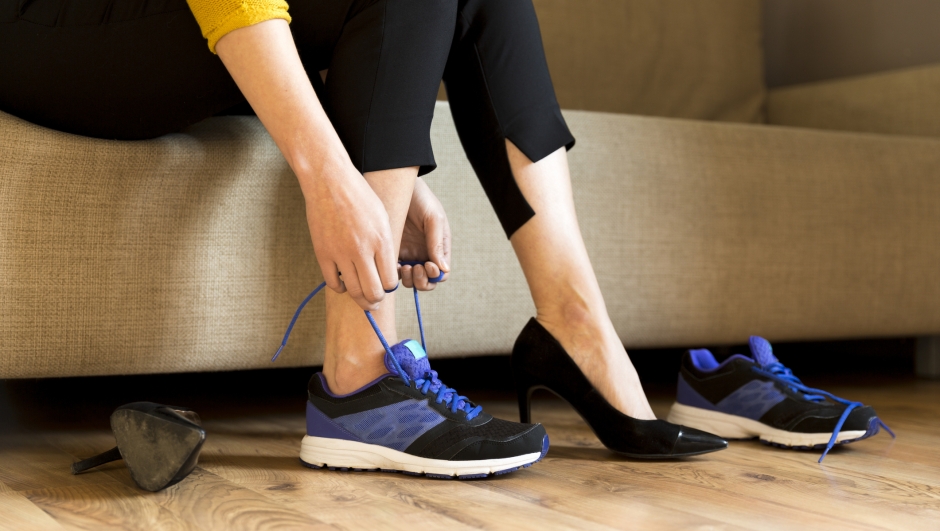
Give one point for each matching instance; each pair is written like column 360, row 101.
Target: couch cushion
column 183, row 253
column 704, row 233
column 900, row 102
column 677, row 58
column 191, row 252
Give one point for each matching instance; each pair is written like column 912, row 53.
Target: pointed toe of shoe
column 694, row 442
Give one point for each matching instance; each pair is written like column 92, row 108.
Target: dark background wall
column 812, row 40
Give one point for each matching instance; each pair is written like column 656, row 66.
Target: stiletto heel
column 525, row 411
column 539, row 360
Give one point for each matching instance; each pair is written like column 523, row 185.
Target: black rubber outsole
column 545, row 445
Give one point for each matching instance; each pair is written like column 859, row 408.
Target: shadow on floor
column 87, row 402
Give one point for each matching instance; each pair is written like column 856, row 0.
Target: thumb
column 437, row 237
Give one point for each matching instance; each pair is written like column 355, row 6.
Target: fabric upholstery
column 674, row 58
column 191, row 252
column 816, row 40
column 183, row 253
column 899, row 102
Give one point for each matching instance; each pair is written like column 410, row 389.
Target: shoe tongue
column 412, row 358
column 761, row 351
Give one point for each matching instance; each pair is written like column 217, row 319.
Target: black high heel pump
column 540, row 362
column 159, row 444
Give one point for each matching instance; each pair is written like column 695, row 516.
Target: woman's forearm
column 264, row 63
column 348, row 223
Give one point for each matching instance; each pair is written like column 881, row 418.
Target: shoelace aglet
column 887, row 429
column 293, row 320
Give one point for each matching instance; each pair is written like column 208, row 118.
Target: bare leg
column 354, row 356
column 568, row 300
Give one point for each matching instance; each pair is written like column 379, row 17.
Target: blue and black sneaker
column 409, row 421
column 415, row 425
column 756, row 396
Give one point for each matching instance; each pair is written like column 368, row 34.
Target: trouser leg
column 119, row 70
column 499, row 88
column 108, row 72
column 383, row 78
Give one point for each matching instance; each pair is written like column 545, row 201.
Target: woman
column 357, row 143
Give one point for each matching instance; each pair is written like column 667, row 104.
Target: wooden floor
column 249, row 478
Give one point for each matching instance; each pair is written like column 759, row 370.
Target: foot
column 413, row 423
column 591, row 341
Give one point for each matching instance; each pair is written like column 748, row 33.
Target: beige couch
column 190, row 252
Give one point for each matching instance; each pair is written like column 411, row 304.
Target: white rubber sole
column 336, row 453
column 734, row 427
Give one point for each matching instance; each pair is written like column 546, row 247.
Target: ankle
column 576, row 323
column 345, row 375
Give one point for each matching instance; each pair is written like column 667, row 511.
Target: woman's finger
column 353, row 279
column 331, row 276
column 373, row 289
column 420, row 277
column 406, row 276
column 432, row 271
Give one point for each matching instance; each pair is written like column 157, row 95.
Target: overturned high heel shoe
column 159, row 444
column 540, row 362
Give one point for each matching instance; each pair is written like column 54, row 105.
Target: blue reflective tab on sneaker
column 416, row 349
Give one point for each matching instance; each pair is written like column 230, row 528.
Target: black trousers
column 138, row 69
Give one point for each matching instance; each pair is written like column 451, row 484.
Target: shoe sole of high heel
column 735, row 427
column 159, row 452
column 336, row 454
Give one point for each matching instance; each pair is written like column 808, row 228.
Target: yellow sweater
column 218, row 17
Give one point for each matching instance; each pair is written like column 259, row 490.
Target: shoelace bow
column 779, row 373
column 429, row 382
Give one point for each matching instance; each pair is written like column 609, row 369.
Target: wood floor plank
column 249, row 477
column 221, row 504
column 450, row 503
column 105, row 506
column 18, row 513
column 478, row 508
column 39, row 465
column 701, row 492
column 332, row 497
column 213, row 502
column 792, row 476
column 602, row 506
column 806, row 483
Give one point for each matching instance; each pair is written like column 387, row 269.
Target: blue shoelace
column 778, row 373
column 447, row 395
column 429, row 382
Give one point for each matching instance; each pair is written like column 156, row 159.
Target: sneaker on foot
column 756, row 396
column 415, row 425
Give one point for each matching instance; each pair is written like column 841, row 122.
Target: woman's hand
column 426, row 239
column 348, row 222
column 351, row 236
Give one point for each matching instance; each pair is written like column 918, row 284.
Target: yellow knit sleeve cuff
column 217, row 18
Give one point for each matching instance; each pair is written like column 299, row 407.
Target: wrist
column 320, row 170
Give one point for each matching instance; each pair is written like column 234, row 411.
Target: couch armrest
column 899, row 102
